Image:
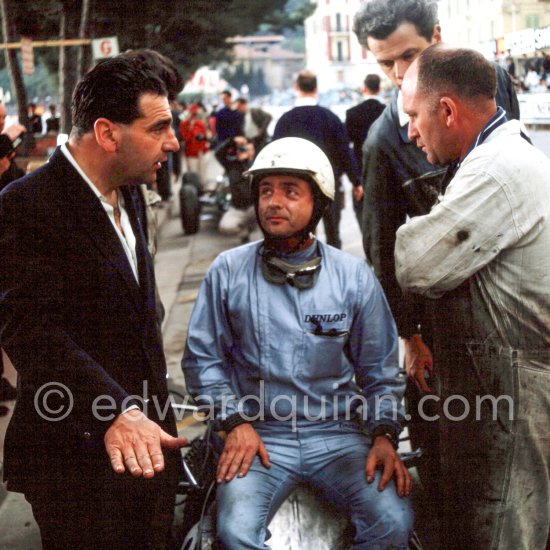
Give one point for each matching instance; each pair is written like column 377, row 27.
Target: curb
column 3, row 490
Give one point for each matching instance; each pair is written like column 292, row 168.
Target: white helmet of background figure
column 301, row 158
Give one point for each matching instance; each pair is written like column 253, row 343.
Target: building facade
column 255, row 53
column 496, row 27
column 332, row 50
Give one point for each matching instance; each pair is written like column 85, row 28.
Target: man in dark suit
column 92, row 441
column 9, row 171
column 358, row 121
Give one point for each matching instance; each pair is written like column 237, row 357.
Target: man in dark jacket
column 90, row 439
column 228, row 120
column 359, row 119
column 396, row 32
column 321, row 126
column 9, row 171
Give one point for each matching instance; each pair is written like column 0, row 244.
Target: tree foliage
column 190, row 32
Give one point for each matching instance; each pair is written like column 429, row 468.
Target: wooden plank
column 47, row 43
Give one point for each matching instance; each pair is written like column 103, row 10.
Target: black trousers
column 122, row 516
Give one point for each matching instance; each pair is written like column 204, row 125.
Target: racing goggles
column 301, row 276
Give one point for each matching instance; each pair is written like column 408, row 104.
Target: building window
column 532, row 21
column 340, row 51
column 338, row 23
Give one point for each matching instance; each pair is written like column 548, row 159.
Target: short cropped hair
column 306, row 82
column 162, row 66
column 458, row 71
column 112, row 90
column 379, row 18
column 372, row 83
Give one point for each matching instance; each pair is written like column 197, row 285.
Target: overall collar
column 498, row 119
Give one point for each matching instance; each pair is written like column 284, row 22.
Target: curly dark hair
column 163, row 66
column 379, row 18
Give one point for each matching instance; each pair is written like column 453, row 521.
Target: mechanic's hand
column 418, row 362
column 358, row 193
column 383, row 454
column 241, row 446
column 134, row 443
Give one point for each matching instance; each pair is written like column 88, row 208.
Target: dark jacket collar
column 86, row 209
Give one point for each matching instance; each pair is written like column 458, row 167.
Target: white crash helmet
column 297, row 156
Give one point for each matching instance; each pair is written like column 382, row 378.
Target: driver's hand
column 382, row 454
column 241, row 446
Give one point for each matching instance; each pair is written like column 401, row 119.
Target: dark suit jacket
column 358, row 121
column 71, row 312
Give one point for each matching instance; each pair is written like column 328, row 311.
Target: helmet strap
column 288, row 245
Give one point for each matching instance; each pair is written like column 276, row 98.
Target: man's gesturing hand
column 241, row 446
column 382, row 453
column 134, row 443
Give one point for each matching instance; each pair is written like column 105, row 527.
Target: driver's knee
column 236, row 529
column 391, row 528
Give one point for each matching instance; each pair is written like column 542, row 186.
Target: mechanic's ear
column 449, row 110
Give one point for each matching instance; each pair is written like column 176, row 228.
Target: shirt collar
column 305, row 101
column 72, row 160
column 403, row 116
